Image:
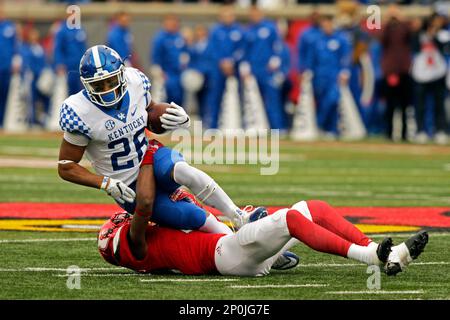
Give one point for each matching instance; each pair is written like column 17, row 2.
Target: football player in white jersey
column 107, row 121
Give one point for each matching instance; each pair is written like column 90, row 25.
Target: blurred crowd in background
column 261, row 3
column 400, row 68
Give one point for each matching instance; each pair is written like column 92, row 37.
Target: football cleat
column 406, row 252
column 287, row 260
column 247, row 215
column 384, row 249
column 416, row 244
column 250, row 214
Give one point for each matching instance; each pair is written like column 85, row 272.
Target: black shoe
column 384, row 249
column 417, row 243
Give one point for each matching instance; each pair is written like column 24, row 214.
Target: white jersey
column 115, row 140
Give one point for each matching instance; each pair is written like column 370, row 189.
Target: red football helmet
column 108, row 231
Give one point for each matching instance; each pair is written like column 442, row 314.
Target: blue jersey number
column 138, row 141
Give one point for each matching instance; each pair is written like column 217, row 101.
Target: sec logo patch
column 110, row 124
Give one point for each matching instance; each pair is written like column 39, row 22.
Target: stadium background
column 384, row 187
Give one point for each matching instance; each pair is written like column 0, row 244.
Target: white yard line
column 12, row 150
column 102, row 275
column 444, row 234
column 329, row 265
column 345, row 265
column 45, row 269
column 80, row 226
column 308, row 265
column 6, row 162
column 188, row 280
column 377, row 292
column 280, row 286
column 47, row 240
column 395, row 234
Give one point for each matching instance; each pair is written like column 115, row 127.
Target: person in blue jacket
column 34, row 61
column 69, row 47
column 169, row 53
column 8, row 43
column 263, row 51
column 120, row 38
column 329, row 61
column 225, row 51
column 306, row 41
column 285, row 68
column 199, row 62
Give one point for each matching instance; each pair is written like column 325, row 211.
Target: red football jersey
column 191, row 253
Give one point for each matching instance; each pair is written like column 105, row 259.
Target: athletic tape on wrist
column 104, row 182
column 65, row 161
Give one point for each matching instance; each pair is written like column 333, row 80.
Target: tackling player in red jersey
column 131, row 242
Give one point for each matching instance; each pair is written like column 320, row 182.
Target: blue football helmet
column 102, row 75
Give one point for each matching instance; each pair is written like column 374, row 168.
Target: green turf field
column 344, row 174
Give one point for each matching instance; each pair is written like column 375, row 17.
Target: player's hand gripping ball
column 164, row 116
column 155, row 112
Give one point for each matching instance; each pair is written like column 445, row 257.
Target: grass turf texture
column 344, row 174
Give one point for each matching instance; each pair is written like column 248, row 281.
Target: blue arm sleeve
column 157, row 52
column 115, row 43
column 58, row 52
column 346, row 55
column 285, row 59
column 215, row 51
column 302, row 53
column 309, row 58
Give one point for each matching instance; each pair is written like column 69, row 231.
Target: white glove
column 118, row 190
column 175, row 117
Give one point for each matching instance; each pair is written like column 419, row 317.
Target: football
column 154, row 112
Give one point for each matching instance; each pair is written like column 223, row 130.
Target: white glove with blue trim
column 118, row 190
column 175, row 117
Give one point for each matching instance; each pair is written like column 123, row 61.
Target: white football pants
column 255, row 247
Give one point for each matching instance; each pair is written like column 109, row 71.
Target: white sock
column 367, row 255
column 212, row 225
column 373, row 245
column 204, row 188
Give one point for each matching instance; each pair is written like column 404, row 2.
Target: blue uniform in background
column 329, row 55
column 356, row 37
column 168, row 51
column 70, row 45
column 262, row 43
column 225, row 43
column 199, row 61
column 304, row 44
column 34, row 61
column 286, row 65
column 7, row 51
column 121, row 40
column 376, row 123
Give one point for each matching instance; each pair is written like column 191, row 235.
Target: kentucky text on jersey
column 130, row 127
